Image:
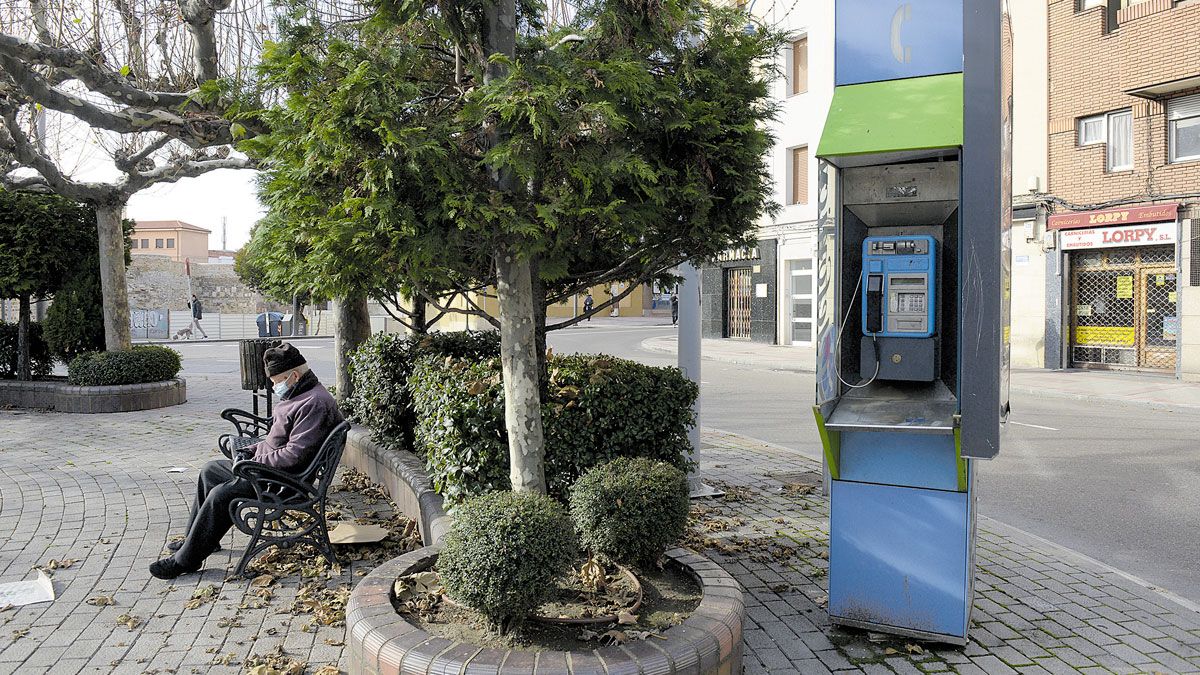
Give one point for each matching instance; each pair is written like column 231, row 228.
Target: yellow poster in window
column 1160, row 279
column 1109, row 336
column 1124, row 287
column 1171, row 296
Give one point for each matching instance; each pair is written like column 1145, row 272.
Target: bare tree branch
column 14, row 140
column 188, row 168
column 199, row 15
column 79, row 66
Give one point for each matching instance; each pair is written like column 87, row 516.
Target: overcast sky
column 204, row 201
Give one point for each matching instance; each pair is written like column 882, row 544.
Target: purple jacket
column 300, row 422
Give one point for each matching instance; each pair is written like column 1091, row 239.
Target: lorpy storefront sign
column 1109, row 237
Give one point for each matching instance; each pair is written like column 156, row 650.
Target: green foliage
column 630, row 510
column 75, row 320
column 459, row 408
column 505, row 551
column 636, row 148
column 143, row 363
column 41, row 362
column 43, row 238
column 380, row 369
column 597, row 408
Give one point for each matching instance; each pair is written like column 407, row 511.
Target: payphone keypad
column 899, row 281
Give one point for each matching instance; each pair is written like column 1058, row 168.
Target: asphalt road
column 1117, row 482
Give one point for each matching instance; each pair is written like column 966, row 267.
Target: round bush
column 143, row 363
column 630, row 510
column 504, row 552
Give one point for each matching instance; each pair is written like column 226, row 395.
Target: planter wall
column 381, row 642
column 64, row 397
column 404, row 476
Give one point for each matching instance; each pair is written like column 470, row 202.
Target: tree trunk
column 514, row 290
column 538, row 289
column 117, row 333
column 522, row 385
column 420, row 314
column 24, row 368
column 295, row 314
column 352, row 325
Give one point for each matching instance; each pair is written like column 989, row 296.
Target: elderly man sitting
column 304, row 416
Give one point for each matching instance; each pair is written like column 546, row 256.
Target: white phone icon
column 900, row 51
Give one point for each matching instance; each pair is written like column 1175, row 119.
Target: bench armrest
column 247, row 424
column 270, row 484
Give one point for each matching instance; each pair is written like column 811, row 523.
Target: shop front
column 738, row 294
column 1122, row 288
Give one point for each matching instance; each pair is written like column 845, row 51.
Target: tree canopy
column 636, row 133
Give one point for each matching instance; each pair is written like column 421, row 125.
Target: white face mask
column 282, row 388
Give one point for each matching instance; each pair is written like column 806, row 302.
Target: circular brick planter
column 380, row 641
column 63, row 397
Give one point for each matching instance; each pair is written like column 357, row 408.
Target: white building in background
column 766, row 294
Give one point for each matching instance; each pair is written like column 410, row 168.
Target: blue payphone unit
column 899, row 308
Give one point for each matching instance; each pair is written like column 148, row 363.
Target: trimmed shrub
column 505, row 551
column 599, row 408
column 380, row 369
column 41, row 363
column 460, row 430
column 143, row 363
column 630, row 510
column 596, row 408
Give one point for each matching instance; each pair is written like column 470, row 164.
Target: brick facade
column 1156, row 42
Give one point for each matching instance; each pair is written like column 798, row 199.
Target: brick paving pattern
column 96, row 488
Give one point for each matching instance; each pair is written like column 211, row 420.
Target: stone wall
column 158, row 281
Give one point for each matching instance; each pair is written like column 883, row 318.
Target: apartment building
column 1120, row 215
column 765, row 293
column 175, row 239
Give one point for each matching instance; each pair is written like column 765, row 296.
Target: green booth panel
column 920, row 113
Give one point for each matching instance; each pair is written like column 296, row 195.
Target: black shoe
column 167, row 568
column 176, row 545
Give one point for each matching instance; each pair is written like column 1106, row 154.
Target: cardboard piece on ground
column 353, row 533
column 19, row 593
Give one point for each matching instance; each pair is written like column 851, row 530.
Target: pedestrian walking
column 197, row 314
column 674, row 309
column 587, row 306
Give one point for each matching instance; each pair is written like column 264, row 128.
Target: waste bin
column 254, row 376
column 269, row 324
column 286, row 325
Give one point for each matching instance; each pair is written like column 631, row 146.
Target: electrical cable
column 838, row 343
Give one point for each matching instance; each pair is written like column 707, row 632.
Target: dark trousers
column 210, row 520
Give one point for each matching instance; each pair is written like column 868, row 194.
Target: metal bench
column 248, row 425
column 288, row 508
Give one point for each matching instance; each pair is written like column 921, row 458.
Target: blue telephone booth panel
column 900, row 557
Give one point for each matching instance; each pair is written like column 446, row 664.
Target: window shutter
column 800, row 175
column 1182, row 108
column 800, row 66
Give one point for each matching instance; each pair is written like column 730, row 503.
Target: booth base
column 901, row 560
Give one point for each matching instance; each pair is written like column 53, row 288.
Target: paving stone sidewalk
column 1038, row 608
column 97, row 488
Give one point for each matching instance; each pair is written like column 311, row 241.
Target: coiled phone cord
column 838, row 343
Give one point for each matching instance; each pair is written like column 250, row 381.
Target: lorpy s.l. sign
column 1109, row 237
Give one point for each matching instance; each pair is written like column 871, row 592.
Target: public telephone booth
column 913, row 285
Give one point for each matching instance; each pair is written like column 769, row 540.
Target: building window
column 1120, row 141
column 170, row 243
column 798, row 169
column 1088, row 4
column 1183, row 128
column 145, row 243
column 1115, row 129
column 800, row 290
column 798, row 68
column 158, row 243
column 134, row 243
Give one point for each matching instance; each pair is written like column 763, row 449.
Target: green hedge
column 380, row 369
column 597, row 408
column 41, row 362
column 143, row 363
column 630, row 510
column 504, row 552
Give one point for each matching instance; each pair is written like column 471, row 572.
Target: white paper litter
column 20, row 593
column 353, row 533
column 177, row 469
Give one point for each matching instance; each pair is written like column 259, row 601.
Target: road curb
column 648, row 345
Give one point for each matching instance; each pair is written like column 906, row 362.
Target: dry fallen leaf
column 327, row 670
column 626, row 619
column 101, row 601
column 200, row 596
column 263, row 580
column 913, row 649
column 614, row 637
column 129, row 621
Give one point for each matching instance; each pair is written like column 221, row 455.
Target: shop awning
column 920, row 113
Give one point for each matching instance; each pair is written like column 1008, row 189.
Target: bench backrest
column 324, row 465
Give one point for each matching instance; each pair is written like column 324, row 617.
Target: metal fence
column 229, row 326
